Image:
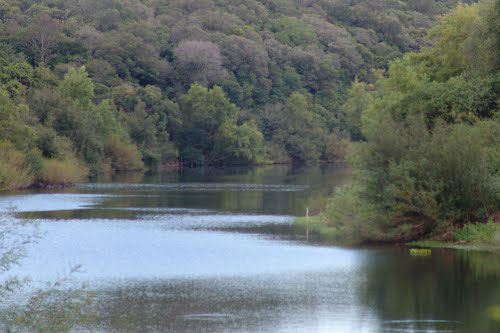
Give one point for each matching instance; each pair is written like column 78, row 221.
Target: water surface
column 213, row 250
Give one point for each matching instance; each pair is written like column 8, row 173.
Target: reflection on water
column 142, row 249
column 454, row 287
column 212, row 250
column 48, row 202
column 226, row 187
column 293, row 302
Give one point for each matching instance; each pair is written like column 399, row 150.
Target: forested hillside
column 429, row 161
column 89, row 86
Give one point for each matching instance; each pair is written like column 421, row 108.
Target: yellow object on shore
column 420, row 252
column 494, row 312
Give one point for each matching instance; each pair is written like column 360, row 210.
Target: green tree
column 430, row 159
column 358, row 100
column 304, row 133
column 78, row 86
column 238, row 144
column 293, row 32
column 210, row 130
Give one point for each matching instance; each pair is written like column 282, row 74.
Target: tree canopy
column 430, row 159
column 112, row 85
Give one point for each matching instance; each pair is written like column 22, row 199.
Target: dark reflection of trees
column 320, row 180
column 163, row 306
column 448, row 285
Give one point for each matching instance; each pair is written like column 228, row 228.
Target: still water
column 213, row 250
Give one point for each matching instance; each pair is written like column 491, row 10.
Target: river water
column 213, row 250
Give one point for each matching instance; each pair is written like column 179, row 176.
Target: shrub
column 53, row 146
column 191, row 156
column 458, row 158
column 67, row 171
column 14, row 172
column 335, row 148
column 276, row 153
column 472, row 232
column 122, row 155
column 412, row 184
column 343, row 212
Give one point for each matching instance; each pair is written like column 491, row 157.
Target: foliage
column 336, row 149
column 430, row 156
column 315, row 227
column 54, row 308
column 74, row 75
column 210, row 132
column 475, row 232
column 57, row 308
column 123, row 156
column 67, row 171
column 238, row 144
column 358, row 99
column 77, row 86
column 13, row 170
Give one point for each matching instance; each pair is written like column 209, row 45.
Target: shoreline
column 312, row 225
column 174, row 168
column 483, row 246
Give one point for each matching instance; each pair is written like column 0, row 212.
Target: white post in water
column 307, row 217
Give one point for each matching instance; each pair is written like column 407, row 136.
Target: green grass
column 477, row 237
column 480, row 232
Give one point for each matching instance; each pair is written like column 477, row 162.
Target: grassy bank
column 487, row 239
column 477, row 237
column 315, row 227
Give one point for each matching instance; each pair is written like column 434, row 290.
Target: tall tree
column 42, row 38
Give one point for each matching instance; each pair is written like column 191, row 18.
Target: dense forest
column 429, row 158
column 92, row 86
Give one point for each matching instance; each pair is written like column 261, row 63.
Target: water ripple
column 194, row 187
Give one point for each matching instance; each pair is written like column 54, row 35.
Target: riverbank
column 484, row 240
column 314, row 226
column 491, row 245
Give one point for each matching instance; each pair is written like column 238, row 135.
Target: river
column 213, row 250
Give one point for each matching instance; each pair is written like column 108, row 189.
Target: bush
column 276, row 154
column 14, row 171
column 60, row 172
column 409, row 185
column 191, row 156
column 53, row 146
column 473, row 232
column 343, row 212
column 122, row 156
column 335, row 148
column 458, row 158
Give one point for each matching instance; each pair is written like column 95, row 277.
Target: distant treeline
column 89, row 86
